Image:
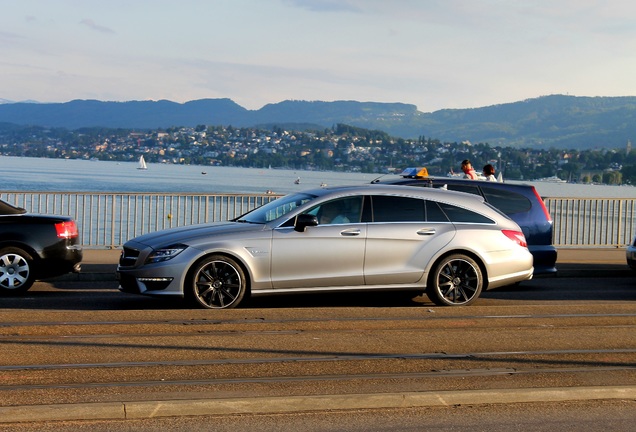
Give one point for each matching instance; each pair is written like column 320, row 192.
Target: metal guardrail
column 594, row 222
column 107, row 220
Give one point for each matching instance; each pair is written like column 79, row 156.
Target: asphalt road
column 79, row 349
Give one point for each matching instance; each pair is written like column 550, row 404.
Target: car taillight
column 66, row 229
column 517, row 237
column 545, row 209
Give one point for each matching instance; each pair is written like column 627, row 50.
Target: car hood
column 191, row 233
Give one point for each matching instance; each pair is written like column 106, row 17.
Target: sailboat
column 142, row 163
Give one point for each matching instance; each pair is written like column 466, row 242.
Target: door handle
column 350, row 232
column 426, row 231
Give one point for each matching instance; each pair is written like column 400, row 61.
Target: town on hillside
column 341, row 148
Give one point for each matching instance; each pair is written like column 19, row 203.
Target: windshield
column 275, row 209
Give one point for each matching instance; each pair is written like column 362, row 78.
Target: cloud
column 324, row 5
column 7, row 36
column 94, row 26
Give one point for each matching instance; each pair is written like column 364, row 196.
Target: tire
column 217, row 282
column 456, row 280
column 16, row 271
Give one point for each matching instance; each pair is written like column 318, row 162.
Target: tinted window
column 506, row 201
column 398, row 209
column 459, row 214
column 344, row 210
column 8, row 209
column 434, row 213
column 464, row 188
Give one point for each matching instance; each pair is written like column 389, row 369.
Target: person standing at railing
column 469, row 171
column 489, row 173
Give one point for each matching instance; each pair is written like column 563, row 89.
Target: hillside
column 551, row 121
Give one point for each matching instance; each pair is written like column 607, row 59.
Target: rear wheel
column 218, row 282
column 16, row 271
column 456, row 280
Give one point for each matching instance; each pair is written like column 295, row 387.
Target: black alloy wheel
column 456, row 280
column 218, row 282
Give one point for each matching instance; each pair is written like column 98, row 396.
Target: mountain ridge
column 560, row 121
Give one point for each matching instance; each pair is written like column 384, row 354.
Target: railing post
column 112, row 224
column 619, row 224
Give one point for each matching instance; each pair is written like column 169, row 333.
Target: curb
column 291, row 404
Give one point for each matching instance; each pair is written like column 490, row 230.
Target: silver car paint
column 279, row 259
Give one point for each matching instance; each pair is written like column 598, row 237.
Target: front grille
column 128, row 257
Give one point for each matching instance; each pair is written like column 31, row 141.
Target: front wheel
column 455, row 281
column 218, row 282
column 16, row 271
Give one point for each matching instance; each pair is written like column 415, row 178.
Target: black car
column 521, row 202
column 35, row 246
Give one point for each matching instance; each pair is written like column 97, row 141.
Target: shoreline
column 26, row 174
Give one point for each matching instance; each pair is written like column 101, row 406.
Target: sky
column 434, row 54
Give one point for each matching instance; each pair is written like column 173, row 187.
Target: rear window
column 471, row 189
column 403, row 209
column 8, row 209
column 507, row 201
column 462, row 215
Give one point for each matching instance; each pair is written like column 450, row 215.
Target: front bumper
column 165, row 278
column 630, row 256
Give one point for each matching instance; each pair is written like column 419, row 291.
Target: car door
column 327, row 255
column 402, row 239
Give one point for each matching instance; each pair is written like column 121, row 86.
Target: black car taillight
column 66, row 229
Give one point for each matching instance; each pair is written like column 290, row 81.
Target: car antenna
column 377, row 179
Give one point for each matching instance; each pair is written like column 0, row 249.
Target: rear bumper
column 545, row 258
column 59, row 261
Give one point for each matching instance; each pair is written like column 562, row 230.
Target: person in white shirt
column 489, row 173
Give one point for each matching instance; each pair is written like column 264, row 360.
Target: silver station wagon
column 449, row 245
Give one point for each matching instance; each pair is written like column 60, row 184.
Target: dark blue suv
column 520, row 202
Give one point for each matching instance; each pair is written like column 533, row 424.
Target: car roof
column 438, row 194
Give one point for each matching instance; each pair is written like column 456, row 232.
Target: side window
column 397, row 209
column 340, row 211
column 462, row 215
column 434, row 213
column 506, row 201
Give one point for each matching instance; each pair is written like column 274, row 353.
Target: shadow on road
column 104, row 295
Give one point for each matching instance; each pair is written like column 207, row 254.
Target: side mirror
column 303, row 221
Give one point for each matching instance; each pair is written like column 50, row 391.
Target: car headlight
column 165, row 254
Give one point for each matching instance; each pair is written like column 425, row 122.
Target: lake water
column 70, row 175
